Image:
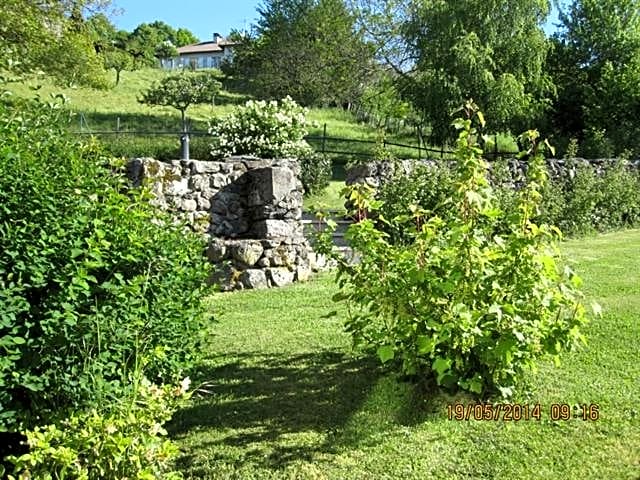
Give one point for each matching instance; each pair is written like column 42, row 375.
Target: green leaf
column 441, row 365
column 425, row 344
column 386, row 353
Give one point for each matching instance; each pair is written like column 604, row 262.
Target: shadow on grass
column 264, row 399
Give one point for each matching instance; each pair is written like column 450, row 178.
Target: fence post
column 324, row 138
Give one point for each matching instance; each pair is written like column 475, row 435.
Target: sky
column 202, row 17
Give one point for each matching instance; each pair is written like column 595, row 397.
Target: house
column 209, row 54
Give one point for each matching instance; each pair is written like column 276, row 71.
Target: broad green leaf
column 386, row 353
column 425, row 344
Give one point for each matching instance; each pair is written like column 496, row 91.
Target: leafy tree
column 150, row 41
column 444, row 52
column 118, row 60
column 50, row 36
column 308, row 49
column 181, row 91
column 596, row 65
column 184, row 37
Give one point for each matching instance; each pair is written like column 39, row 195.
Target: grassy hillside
column 101, row 108
column 118, row 108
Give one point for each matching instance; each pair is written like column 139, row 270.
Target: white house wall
column 202, row 60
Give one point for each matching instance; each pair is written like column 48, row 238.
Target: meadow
column 283, row 395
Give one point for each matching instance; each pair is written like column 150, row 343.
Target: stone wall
column 250, row 210
column 375, row 174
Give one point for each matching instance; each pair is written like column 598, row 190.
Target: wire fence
column 168, row 144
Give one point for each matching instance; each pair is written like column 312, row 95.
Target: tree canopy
column 308, row 49
column 493, row 51
column 596, row 67
column 182, row 90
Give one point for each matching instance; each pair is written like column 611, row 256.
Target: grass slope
column 289, row 400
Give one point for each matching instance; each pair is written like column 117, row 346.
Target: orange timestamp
column 515, row 412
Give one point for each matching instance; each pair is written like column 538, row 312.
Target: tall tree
column 51, row 36
column 308, row 49
column 447, row 51
column 596, row 65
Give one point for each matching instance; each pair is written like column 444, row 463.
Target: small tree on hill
column 181, row 91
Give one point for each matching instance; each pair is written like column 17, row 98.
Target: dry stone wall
column 378, row 173
column 250, row 210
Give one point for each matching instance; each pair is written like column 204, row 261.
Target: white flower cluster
column 264, row 129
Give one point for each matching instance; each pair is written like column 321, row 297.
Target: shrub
column 427, row 187
column 92, row 278
column 125, row 441
column 477, row 296
column 271, row 130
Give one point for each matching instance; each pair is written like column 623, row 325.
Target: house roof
column 204, row 47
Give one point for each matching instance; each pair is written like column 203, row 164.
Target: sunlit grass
column 289, row 399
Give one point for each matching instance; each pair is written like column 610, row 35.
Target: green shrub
column 428, row 187
column 125, row 441
column 271, row 130
column 92, row 278
column 477, row 296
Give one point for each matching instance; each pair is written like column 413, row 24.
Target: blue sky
column 202, row 17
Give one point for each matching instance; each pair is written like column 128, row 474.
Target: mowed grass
column 289, row 399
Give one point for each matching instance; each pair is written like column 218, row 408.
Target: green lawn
column 290, row 400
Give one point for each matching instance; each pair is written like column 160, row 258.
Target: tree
column 181, row 91
column 184, row 37
column 596, row 65
column 119, row 60
column 50, row 36
column 445, row 52
column 149, row 41
column 308, row 49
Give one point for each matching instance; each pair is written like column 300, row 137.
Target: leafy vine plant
column 479, row 294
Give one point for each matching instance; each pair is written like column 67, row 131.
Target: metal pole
column 184, row 146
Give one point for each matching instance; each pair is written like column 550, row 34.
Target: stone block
column 188, row 205
column 217, row 250
column 199, row 167
column 177, row 187
column 303, row 273
column 280, row 276
column 270, row 229
column 247, row 253
column 254, row 278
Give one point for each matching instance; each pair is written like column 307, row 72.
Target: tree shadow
column 260, row 398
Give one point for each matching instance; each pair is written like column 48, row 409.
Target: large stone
column 280, row 276
column 199, row 182
column 254, row 278
column 303, row 273
column 247, row 253
column 217, row 250
column 270, row 229
column 219, row 180
column 188, row 205
column 270, row 185
column 177, row 187
column 199, row 167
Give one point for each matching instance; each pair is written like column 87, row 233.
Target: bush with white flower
column 271, row 130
